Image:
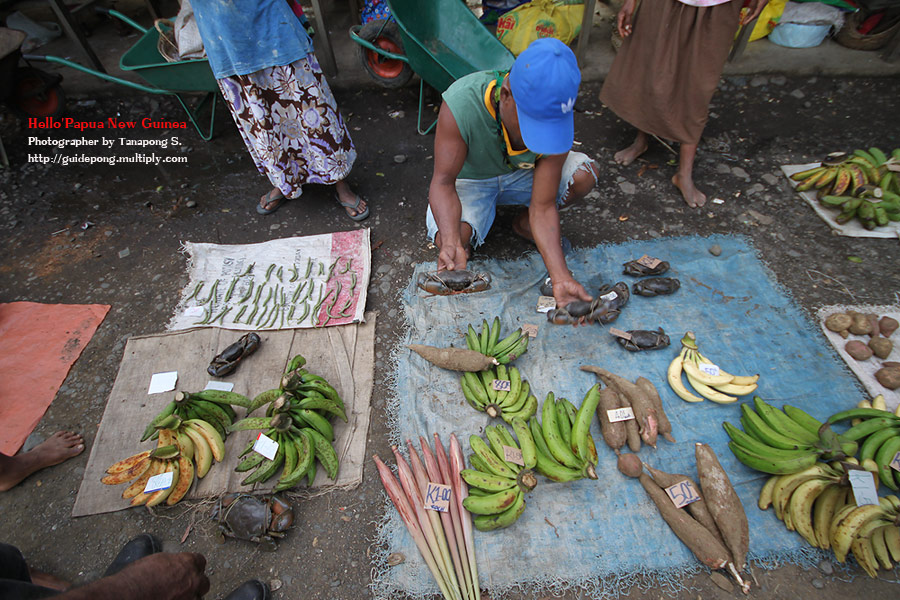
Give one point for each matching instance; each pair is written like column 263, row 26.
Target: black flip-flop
column 359, row 216
column 278, row 200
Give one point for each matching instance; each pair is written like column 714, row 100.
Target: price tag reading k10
column 682, row 494
column 895, row 463
column 501, row 385
column 266, row 446
column 709, row 369
column 620, row 414
column 863, row 486
column 437, row 497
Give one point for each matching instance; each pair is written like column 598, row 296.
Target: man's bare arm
column 449, row 156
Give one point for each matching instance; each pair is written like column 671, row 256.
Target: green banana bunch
column 497, row 486
column 783, row 442
column 297, row 419
column 212, row 406
column 878, row 433
column 565, row 448
column 488, row 342
column 516, row 402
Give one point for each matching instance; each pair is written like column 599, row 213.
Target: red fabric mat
column 38, row 345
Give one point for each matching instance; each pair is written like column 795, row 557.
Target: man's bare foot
column 628, row 155
column 692, row 196
column 61, row 446
column 522, row 227
column 48, row 581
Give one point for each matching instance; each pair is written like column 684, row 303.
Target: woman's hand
column 753, row 9
column 623, row 19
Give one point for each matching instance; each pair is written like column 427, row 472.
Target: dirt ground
column 111, row 234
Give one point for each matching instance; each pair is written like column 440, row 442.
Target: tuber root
column 881, row 347
column 887, row 326
column 454, row 359
column 630, row 465
column 858, row 350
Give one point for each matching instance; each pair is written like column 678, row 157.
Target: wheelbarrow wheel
column 388, row 72
column 37, row 94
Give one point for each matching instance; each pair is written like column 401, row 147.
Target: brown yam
column 632, row 431
column 724, row 504
column 630, row 465
column 838, row 322
column 663, row 425
column 699, row 510
column 635, row 398
column 860, row 324
column 858, row 350
column 887, row 326
column 695, row 536
column 454, row 359
column 881, row 347
column 889, row 377
column 613, row 433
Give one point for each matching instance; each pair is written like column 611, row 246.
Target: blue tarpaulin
column 603, row 535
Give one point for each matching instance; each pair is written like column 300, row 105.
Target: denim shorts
column 480, row 197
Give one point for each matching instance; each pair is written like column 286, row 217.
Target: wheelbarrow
column 440, row 40
column 166, row 78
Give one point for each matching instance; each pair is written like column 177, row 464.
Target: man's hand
column 568, row 290
column 452, row 257
column 753, row 9
column 160, row 576
column 623, row 18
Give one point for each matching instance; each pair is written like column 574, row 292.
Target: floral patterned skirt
column 290, row 122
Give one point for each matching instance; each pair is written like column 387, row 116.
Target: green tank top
column 488, row 153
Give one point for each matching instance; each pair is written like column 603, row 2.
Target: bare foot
column 61, row 446
column 48, row 581
column 628, row 155
column 692, row 196
column 522, row 227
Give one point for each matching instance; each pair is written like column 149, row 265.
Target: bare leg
column 684, row 180
column 348, row 196
column 61, row 446
column 583, row 181
column 48, row 581
column 627, row 156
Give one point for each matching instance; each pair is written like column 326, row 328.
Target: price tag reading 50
column 682, row 494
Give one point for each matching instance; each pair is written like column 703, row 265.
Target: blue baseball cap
column 544, row 82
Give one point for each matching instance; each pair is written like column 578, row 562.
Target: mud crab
column 445, row 283
column 642, row 339
column 253, row 518
column 656, row 286
column 638, row 269
column 227, row 360
column 605, row 308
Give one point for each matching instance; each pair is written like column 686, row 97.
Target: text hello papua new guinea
column 110, row 123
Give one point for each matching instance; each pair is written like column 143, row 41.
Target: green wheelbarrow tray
column 168, row 78
column 442, row 41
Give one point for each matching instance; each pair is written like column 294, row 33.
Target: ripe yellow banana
column 892, row 541
column 209, row 433
column 161, row 495
column 185, row 479
column 865, row 556
column 709, row 392
column 801, row 507
column 127, row 463
column 692, row 369
column 735, row 389
column 203, row 455
column 824, row 508
column 765, row 494
column 880, row 549
column 847, row 529
column 735, row 379
column 673, row 375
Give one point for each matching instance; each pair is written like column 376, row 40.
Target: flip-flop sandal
column 270, row 198
column 359, row 216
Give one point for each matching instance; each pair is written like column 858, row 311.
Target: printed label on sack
column 863, row 485
column 895, row 463
column 682, row 494
column 501, row 385
column 265, row 446
column 620, row 414
column 513, row 455
column 159, row 482
column 222, row 386
column 437, row 497
column 648, row 261
column 530, row 329
column 709, row 369
column 609, row 297
column 619, row 333
column 546, row 304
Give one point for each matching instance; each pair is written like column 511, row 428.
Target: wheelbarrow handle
column 366, row 44
column 62, row 61
column 110, row 12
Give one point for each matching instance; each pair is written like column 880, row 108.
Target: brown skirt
column 667, row 70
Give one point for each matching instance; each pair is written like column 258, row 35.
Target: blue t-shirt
column 245, row 36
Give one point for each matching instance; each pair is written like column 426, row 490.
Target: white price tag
column 619, row 333
column 194, row 311
column 530, row 329
column 265, row 446
column 163, row 382
column 620, row 414
column 223, row 386
column 682, row 494
column 610, row 296
column 895, row 463
column 709, row 369
column 513, row 455
column 159, row 482
column 863, row 485
column 501, row 385
column 437, row 497
column 546, row 304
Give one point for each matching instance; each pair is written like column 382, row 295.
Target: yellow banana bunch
column 705, row 377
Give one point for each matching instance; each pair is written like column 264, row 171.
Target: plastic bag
column 768, row 18
column 560, row 19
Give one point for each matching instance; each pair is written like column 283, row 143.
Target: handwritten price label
column 709, row 369
column 863, row 487
column 682, row 494
column 159, row 482
column 530, row 329
column 265, row 446
column 546, row 304
column 620, row 414
column 501, row 385
column 895, row 463
column 437, row 497
column 513, row 455
column 609, row 297
column 619, row 333
column 648, row 261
